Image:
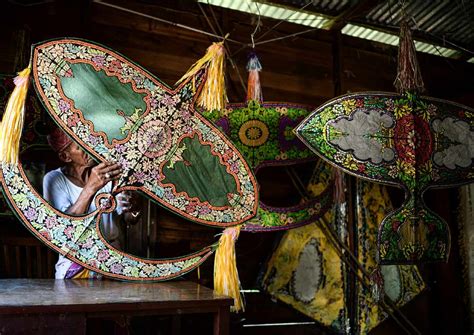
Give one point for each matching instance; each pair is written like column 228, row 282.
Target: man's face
column 75, row 155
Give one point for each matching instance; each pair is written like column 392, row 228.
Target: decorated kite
column 406, row 140
column 263, row 133
column 117, row 111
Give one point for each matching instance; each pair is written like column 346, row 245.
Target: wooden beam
column 357, row 10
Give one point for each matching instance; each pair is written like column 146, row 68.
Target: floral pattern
column 152, row 137
column 79, row 238
column 413, row 142
column 263, row 132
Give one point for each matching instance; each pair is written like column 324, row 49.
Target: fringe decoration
column 213, row 95
column 339, row 186
column 408, row 74
column 11, row 126
column 226, row 277
column 254, row 89
column 377, row 284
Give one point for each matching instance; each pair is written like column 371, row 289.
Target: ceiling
column 444, row 24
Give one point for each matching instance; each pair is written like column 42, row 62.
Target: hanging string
column 154, row 18
column 283, row 20
column 229, row 57
column 408, row 74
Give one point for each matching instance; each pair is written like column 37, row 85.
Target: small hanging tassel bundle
column 408, row 74
column 12, row 123
column 226, row 277
column 339, row 186
column 254, row 89
column 377, row 284
column 213, row 95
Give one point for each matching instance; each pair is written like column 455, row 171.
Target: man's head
column 58, row 140
column 68, row 151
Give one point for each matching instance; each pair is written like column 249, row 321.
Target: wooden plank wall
column 298, row 69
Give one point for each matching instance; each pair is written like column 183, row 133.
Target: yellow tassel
column 226, row 277
column 12, row 123
column 213, row 95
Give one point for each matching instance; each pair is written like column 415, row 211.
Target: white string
column 252, row 35
column 166, row 21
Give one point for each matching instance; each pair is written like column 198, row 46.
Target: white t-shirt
column 61, row 193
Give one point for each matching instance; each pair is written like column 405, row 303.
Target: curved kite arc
column 118, row 111
column 79, row 237
column 271, row 218
column 412, row 142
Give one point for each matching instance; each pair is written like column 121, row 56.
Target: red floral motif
column 395, row 225
column 73, row 120
column 115, row 66
column 413, row 140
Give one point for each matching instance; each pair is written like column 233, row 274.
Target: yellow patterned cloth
column 307, row 273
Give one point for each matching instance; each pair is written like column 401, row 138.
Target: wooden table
column 46, row 303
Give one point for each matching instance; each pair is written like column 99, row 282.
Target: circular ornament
column 254, row 133
column 154, row 139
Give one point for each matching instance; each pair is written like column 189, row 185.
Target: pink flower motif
column 124, row 163
column 51, row 222
column 139, row 176
column 168, row 100
column 120, row 148
column 153, row 103
column 234, row 167
column 103, row 255
column 204, row 210
column 72, row 120
column 168, row 195
column 88, row 244
column 98, row 60
column 185, row 115
column 116, row 268
column 64, row 105
column 93, row 140
column 31, row 214
column 68, row 232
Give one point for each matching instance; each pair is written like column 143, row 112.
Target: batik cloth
column 307, row 272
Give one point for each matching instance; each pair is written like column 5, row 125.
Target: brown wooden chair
column 25, row 257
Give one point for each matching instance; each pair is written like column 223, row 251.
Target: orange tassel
column 254, row 88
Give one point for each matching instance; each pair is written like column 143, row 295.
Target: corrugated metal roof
column 443, row 20
column 446, row 24
column 328, row 7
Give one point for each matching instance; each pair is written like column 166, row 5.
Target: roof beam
column 358, row 9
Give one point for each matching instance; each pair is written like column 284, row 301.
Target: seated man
column 72, row 189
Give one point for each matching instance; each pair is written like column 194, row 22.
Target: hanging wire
column 252, row 35
column 179, row 25
column 283, row 20
column 229, row 56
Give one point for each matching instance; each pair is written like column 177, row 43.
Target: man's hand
column 130, row 206
column 101, row 174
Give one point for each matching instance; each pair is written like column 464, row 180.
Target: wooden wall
column 309, row 69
